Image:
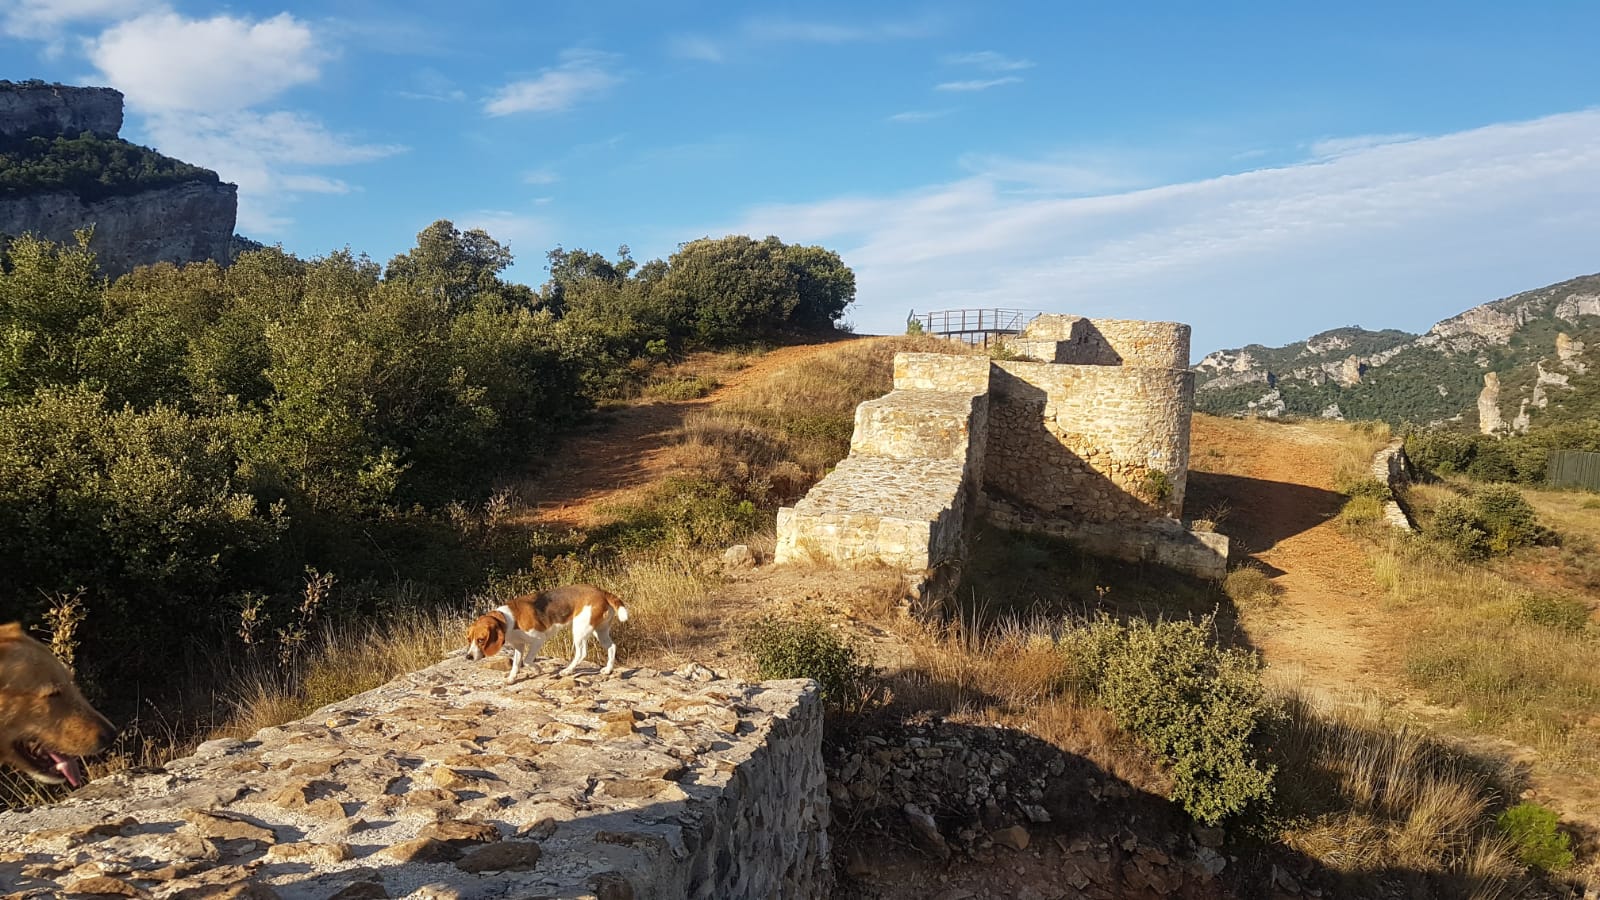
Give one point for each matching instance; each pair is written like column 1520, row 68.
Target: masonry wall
column 1075, row 340
column 449, row 783
column 1094, row 443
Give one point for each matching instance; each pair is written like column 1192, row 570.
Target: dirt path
column 1277, row 484
column 630, row 448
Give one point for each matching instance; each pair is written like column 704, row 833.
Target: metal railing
column 973, row 326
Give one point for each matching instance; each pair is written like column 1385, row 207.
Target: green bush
column 1199, row 706
column 1562, row 613
column 808, row 648
column 1491, row 520
column 1538, row 842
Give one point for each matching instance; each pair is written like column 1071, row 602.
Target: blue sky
column 1262, row 171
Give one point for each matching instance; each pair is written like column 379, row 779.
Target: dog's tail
column 615, row 602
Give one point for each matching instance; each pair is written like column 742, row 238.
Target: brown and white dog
column 45, row 724
column 524, row 623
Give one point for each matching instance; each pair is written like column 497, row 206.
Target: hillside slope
column 1497, row 366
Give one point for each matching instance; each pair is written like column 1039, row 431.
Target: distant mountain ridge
column 1499, row 366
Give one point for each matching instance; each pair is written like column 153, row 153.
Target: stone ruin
column 1085, row 436
column 447, row 783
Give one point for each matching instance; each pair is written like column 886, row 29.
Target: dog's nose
column 108, row 734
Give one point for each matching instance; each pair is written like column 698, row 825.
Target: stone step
column 913, row 424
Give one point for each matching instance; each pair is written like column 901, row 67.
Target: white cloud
column 583, row 74
column 919, row 115
column 696, row 47
column 46, row 19
column 1392, row 235
column 163, row 61
column 266, row 154
column 977, row 85
column 541, row 176
column 989, row 61
column 528, row 237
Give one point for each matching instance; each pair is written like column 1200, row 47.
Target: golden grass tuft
column 1367, row 795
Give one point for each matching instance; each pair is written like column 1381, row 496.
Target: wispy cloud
column 989, row 61
column 766, row 30
column 527, row 236
column 266, row 153
column 430, row 84
column 696, row 47
column 582, row 75
column 1425, row 219
column 982, row 84
column 1327, row 148
column 196, row 83
column 48, row 20
column 919, row 115
column 541, row 176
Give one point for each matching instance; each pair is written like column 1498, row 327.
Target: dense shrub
column 1538, row 842
column 1199, row 706
column 89, row 166
column 808, row 648
column 1522, row 458
column 182, row 445
column 1491, row 520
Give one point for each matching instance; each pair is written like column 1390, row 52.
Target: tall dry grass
column 1368, row 796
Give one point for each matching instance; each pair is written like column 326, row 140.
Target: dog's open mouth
column 47, row 765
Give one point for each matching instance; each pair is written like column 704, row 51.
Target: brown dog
column 524, row 623
column 45, row 724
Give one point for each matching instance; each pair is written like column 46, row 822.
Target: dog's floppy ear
column 11, row 631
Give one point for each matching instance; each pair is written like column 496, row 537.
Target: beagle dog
column 524, row 623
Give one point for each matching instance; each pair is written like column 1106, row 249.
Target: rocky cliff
column 177, row 224
column 62, row 169
column 1496, row 366
column 34, row 107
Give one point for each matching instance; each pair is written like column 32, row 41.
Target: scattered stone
column 738, row 557
column 421, row 850
column 1208, row 837
column 925, row 832
column 309, row 852
column 697, row 672
column 361, row 890
column 540, row 830
column 510, row 856
column 104, row 886
column 1016, row 837
column 461, row 834
column 222, row 826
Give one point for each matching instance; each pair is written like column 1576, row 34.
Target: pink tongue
column 69, row 769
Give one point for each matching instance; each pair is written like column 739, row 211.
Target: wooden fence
column 1574, row 468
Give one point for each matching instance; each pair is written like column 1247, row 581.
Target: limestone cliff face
column 186, row 221
column 39, row 108
column 178, row 224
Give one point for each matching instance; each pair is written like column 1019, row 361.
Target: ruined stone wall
column 1094, row 443
column 1091, row 444
column 449, row 784
column 1075, row 340
column 29, row 109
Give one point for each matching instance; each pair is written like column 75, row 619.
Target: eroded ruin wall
column 447, row 783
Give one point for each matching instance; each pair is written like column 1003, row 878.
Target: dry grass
column 339, row 662
column 1366, row 795
column 1248, row 586
column 1491, row 647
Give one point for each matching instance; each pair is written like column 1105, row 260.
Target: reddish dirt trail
column 630, row 451
column 1277, row 482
